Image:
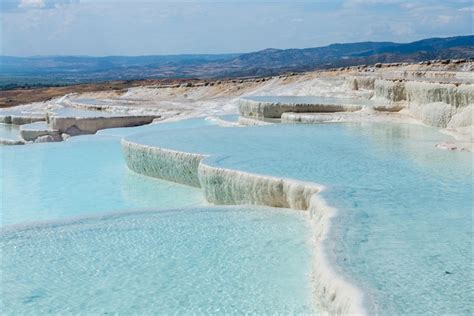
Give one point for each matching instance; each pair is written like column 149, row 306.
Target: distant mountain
column 273, row 61
column 59, row 70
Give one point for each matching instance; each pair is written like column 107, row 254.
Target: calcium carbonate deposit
column 359, row 184
column 340, row 192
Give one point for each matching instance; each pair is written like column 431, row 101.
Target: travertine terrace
column 349, row 95
column 436, row 93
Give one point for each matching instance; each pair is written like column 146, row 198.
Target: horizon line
column 235, row 53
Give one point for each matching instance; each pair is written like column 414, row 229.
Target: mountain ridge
column 63, row 70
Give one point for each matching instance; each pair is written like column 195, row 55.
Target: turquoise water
column 193, row 261
column 404, row 230
column 86, row 175
column 103, row 247
column 83, row 176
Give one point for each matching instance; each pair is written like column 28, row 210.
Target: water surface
column 191, row 261
column 97, row 250
column 82, row 176
column 404, row 230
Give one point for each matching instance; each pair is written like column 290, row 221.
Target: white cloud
column 467, row 9
column 356, row 3
column 445, row 19
column 32, row 4
column 120, row 27
column 297, row 20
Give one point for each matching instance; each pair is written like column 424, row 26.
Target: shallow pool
column 192, row 261
column 112, row 241
column 83, row 176
column 404, row 230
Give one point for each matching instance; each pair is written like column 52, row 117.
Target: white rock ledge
column 50, row 125
column 90, row 125
column 32, row 131
column 4, row 141
column 225, row 186
column 261, row 109
column 20, row 119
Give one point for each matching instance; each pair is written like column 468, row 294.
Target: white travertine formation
column 334, row 294
column 49, row 138
column 246, row 121
column 231, row 187
column 56, row 119
column 267, row 109
column 33, row 126
column 343, row 117
column 433, row 76
column 20, row 119
column 221, row 122
column 464, row 117
column 458, row 95
column 11, row 141
column 226, row 186
column 314, row 118
column 393, row 91
column 434, row 114
column 90, row 125
column 366, row 80
column 31, row 132
column 162, row 163
column 435, row 104
column 361, row 82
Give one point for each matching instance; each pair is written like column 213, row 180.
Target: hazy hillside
column 59, row 70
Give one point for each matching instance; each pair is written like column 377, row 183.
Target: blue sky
column 130, row 27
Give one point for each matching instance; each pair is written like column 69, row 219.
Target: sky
column 131, row 27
